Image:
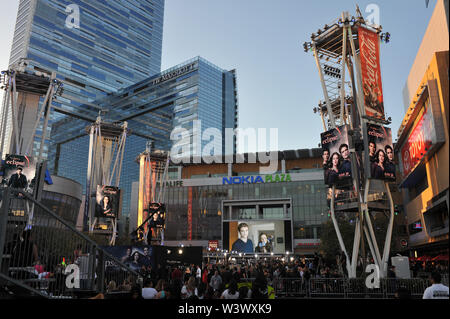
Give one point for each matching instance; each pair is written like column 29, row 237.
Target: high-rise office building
column 93, row 47
column 192, row 92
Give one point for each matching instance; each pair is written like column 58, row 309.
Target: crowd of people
column 252, row 280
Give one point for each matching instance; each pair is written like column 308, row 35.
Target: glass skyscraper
column 195, row 90
column 93, row 46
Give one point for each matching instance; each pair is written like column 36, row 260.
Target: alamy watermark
column 374, row 14
column 73, row 18
column 210, row 146
column 73, row 276
column 373, row 279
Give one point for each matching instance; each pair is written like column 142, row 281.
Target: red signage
column 418, row 143
column 370, row 70
column 213, row 245
column 189, row 213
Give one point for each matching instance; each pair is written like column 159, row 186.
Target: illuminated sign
column 256, row 179
column 213, row 245
column 173, row 74
column 418, row 143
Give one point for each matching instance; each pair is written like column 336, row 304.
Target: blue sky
column 278, row 83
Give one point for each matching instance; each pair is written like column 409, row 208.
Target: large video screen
column 19, row 172
column 250, row 237
column 107, row 202
column 381, row 152
column 336, row 156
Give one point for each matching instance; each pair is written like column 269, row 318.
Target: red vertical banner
column 369, row 52
column 190, row 213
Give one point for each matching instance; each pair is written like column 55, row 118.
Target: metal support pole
column 47, row 115
column 344, row 55
column 387, row 244
column 372, row 250
column 4, row 209
column 356, row 242
column 360, row 95
column 14, row 114
column 38, row 119
column 338, row 232
column 369, row 224
column 6, row 107
column 119, row 173
column 87, row 214
column 324, row 88
column 3, row 121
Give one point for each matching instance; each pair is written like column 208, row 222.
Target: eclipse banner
column 369, row 46
column 19, row 171
column 381, row 152
column 107, row 202
column 336, row 156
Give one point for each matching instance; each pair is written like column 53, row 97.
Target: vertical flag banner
column 369, row 53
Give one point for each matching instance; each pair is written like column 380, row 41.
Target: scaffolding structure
column 17, row 80
column 18, row 115
column 336, row 53
column 153, row 177
column 106, row 150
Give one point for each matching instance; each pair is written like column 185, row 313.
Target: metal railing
column 346, row 288
column 46, row 256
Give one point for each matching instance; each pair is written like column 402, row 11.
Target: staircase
column 44, row 256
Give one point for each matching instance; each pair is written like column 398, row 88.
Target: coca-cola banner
column 371, row 75
column 336, row 156
column 381, row 152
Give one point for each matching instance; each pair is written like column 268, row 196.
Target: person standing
column 436, row 290
column 18, row 180
column 216, row 281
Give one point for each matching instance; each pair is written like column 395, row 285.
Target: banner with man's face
column 19, row 172
column 381, row 152
column 107, row 202
column 336, row 156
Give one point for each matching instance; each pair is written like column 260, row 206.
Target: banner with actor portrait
column 107, row 202
column 19, row 171
column 336, row 157
column 134, row 257
column 381, row 152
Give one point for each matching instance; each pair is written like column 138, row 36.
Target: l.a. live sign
column 419, row 142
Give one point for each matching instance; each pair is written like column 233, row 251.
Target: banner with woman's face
column 107, row 202
column 336, row 159
column 381, row 152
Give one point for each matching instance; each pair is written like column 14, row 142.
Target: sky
column 278, row 83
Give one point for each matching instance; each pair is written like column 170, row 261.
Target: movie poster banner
column 19, row 172
column 369, row 46
column 336, row 156
column 134, row 257
column 381, row 152
column 107, row 202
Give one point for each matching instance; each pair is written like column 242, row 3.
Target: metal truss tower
column 106, row 150
column 337, row 55
column 154, row 166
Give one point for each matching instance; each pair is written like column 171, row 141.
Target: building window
column 418, row 188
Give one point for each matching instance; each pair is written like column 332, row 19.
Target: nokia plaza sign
column 277, row 178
